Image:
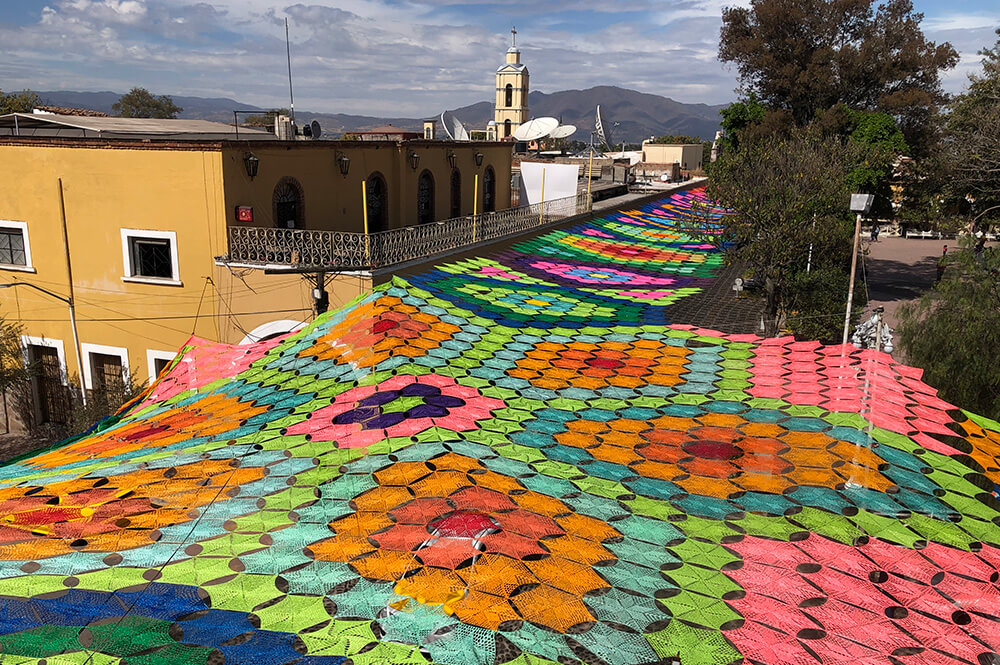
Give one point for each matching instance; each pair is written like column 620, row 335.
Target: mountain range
column 638, row 115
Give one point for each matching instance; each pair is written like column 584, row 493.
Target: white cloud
column 376, row 57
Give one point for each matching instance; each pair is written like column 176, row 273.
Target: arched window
column 456, row 193
column 489, row 190
column 378, row 203
column 288, row 205
column 509, row 95
column 506, row 127
column 425, row 198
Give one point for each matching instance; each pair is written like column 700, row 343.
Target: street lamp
column 343, row 163
column 861, row 204
column 251, row 163
column 72, row 320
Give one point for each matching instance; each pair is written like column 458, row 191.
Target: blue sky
column 396, row 58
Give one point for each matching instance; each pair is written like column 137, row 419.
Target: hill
column 640, row 114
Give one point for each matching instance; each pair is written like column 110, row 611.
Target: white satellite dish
column 453, row 127
column 535, row 129
column 563, row 131
column 601, row 133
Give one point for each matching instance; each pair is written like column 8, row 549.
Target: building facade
column 689, row 156
column 146, row 223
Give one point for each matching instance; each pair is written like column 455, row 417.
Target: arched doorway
column 425, row 198
column 288, row 204
column 378, row 203
column 456, row 193
column 489, row 190
column 506, row 127
column 509, row 95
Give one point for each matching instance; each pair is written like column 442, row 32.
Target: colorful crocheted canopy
column 518, row 458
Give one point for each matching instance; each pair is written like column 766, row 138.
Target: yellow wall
column 333, row 201
column 107, row 189
column 192, row 189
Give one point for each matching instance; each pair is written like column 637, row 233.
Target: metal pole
column 364, row 206
column 541, row 204
column 809, row 262
column 288, row 52
column 878, row 329
column 850, row 287
column 69, row 301
column 590, row 172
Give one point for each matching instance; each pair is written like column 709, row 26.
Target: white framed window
column 51, row 352
column 104, row 365
column 156, row 361
column 15, row 248
column 150, row 257
column 50, row 392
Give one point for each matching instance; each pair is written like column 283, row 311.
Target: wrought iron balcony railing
column 304, row 249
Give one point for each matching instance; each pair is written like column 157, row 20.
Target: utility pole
column 69, row 300
column 860, row 204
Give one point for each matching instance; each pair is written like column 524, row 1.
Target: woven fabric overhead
column 517, row 458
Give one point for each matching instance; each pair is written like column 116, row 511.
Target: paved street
column 900, row 269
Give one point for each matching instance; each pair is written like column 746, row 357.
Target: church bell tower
column 511, row 110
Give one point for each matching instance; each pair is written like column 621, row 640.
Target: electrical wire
column 198, row 311
column 175, row 317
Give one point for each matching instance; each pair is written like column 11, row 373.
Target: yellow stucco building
column 149, row 225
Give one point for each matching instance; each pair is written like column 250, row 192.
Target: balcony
column 304, row 250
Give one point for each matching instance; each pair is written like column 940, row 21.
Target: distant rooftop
column 75, row 126
column 67, row 110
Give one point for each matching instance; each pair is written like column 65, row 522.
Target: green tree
column 789, row 194
column 140, row 103
column 953, row 331
column 738, row 118
column 805, row 56
column 974, row 141
column 18, row 102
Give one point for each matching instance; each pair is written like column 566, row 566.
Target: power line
column 175, row 317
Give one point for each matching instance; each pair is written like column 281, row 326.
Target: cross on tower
column 513, row 36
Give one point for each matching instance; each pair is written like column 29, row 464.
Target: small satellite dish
column 563, row 131
column 453, row 127
column 601, row 133
column 317, row 131
column 535, row 129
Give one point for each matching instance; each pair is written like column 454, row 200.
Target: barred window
column 12, row 247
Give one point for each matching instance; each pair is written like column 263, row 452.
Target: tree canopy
column 974, row 140
column 791, row 228
column 952, row 332
column 18, row 102
column 805, row 56
column 141, row 103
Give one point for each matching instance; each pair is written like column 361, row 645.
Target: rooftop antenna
column 288, row 52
